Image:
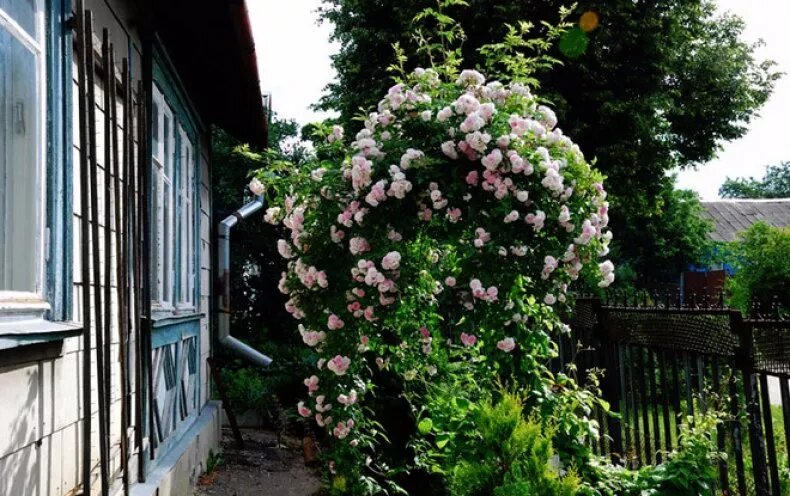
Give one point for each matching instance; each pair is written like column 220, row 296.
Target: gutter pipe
column 223, row 251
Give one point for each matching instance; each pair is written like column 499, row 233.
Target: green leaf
column 425, row 426
column 461, row 403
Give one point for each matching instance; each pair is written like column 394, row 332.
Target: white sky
column 293, row 60
column 293, row 55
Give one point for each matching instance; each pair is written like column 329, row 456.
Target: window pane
column 186, row 219
column 19, row 163
column 155, row 129
column 168, row 137
column 23, row 12
column 167, row 238
column 155, row 231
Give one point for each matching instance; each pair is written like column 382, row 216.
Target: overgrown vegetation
column 429, row 259
column 258, row 316
column 643, row 88
column 761, row 258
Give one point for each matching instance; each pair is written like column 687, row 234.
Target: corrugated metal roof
column 731, row 217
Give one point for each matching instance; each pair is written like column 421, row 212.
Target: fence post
column 745, row 361
column 609, row 385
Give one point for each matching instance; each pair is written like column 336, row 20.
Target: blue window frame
column 35, row 205
column 175, row 257
column 174, row 198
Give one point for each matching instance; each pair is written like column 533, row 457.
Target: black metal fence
column 664, row 358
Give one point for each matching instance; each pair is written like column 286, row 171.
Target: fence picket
column 645, row 344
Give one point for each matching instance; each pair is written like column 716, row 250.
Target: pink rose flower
column 311, row 383
column 303, row 410
column 507, row 345
column 339, row 364
column 334, row 322
column 468, row 340
column 391, row 261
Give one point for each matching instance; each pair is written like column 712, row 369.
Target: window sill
column 170, row 318
column 17, row 333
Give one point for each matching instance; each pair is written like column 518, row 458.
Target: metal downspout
column 223, row 323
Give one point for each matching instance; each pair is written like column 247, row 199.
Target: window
column 187, row 221
column 22, row 149
column 173, row 262
column 162, row 181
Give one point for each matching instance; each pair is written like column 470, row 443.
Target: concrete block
column 19, row 472
column 20, row 389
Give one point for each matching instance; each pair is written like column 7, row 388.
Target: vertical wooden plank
column 96, row 256
column 601, row 417
column 665, row 399
column 724, row 481
column 773, row 466
column 751, row 394
column 632, row 371
column 654, row 403
column 612, row 395
column 136, row 240
column 217, row 376
column 756, row 438
column 737, row 437
column 645, row 405
column 82, row 48
column 120, row 264
column 676, row 392
column 703, row 397
column 785, row 393
column 624, row 402
column 688, row 384
column 106, row 373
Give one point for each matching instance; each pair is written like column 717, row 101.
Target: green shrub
column 505, row 454
column 689, row 470
column 762, row 263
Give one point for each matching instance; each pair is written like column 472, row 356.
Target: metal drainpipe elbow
column 223, row 318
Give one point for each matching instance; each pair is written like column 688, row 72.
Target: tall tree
column 775, row 184
column 660, row 85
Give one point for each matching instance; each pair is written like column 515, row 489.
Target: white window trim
column 164, row 302
column 16, row 306
column 187, row 194
column 180, row 297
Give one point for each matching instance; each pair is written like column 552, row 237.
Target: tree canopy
column 659, row 86
column 775, row 184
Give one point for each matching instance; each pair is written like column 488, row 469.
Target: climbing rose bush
column 449, row 230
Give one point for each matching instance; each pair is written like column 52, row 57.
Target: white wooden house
column 106, row 313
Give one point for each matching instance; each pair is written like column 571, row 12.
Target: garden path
column 261, row 469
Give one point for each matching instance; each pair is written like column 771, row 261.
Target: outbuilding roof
column 732, row 217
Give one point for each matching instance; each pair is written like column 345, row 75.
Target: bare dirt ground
column 262, row 468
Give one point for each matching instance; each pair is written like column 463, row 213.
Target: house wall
column 41, row 409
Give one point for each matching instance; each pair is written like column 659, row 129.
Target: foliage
column 775, row 184
column 450, row 229
column 499, row 452
column 660, row 85
column 214, row 461
column 762, row 263
column 258, row 315
column 690, row 470
column 246, row 388
column 668, row 236
column 429, row 261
